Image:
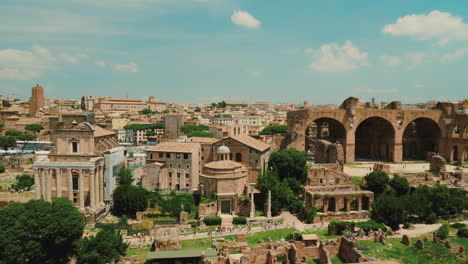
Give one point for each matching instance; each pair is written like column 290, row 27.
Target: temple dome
column 223, row 150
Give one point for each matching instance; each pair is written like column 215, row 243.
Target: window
column 161, row 154
column 188, row 166
column 186, row 156
column 187, row 185
column 178, row 166
column 151, row 156
column 74, row 145
column 75, row 181
column 238, row 157
column 187, row 175
column 170, row 165
column 178, row 156
column 178, row 175
column 168, row 155
column 170, row 174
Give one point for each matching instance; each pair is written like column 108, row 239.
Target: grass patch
column 357, row 180
column 460, row 241
column 322, row 233
column 140, row 252
column 393, row 249
column 196, row 243
column 336, row 260
column 275, row 235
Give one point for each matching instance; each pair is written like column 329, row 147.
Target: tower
column 37, row 100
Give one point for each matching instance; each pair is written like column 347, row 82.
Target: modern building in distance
column 108, row 104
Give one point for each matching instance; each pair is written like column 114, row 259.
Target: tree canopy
column 187, row 129
column 34, row 127
column 7, row 142
column 200, row 134
column 145, row 111
column 26, row 137
column 125, row 176
column 158, row 125
column 289, row 163
column 129, row 199
column 39, row 232
column 13, row 133
column 23, row 182
column 103, row 248
column 271, row 130
column 377, row 181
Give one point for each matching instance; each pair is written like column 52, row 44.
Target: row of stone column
column 348, row 201
column 43, row 184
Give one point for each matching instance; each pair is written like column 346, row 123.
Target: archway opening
column 455, row 153
column 324, row 128
column 420, row 137
column 375, row 140
column 331, row 204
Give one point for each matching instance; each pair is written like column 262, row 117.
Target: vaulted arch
column 324, row 128
column 374, row 140
column 420, row 137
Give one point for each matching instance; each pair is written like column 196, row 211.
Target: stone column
column 397, row 152
column 325, row 205
column 37, row 185
column 359, row 203
column 269, row 204
column 81, row 189
column 43, row 184
column 348, row 205
column 70, row 184
column 49, row 184
column 337, row 207
column 58, row 179
column 219, row 206
column 92, row 188
column 252, row 203
column 101, row 186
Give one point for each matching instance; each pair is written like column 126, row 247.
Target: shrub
column 370, row 225
column 463, row 232
column 458, row 225
column 215, row 220
column 2, row 168
column 23, row 182
column 240, row 220
column 443, row 231
column 406, row 225
column 337, row 227
column 194, row 224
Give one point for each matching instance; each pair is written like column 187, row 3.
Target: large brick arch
column 420, row 136
column 350, row 116
column 374, row 139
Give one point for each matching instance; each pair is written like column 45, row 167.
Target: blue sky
column 253, row 50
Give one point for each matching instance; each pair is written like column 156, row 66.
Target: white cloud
column 73, row 59
column 436, row 25
column 25, row 65
column 390, row 61
column 245, row 19
column 453, row 56
column 131, row 67
column 101, row 64
column 368, row 90
column 416, row 58
column 335, row 58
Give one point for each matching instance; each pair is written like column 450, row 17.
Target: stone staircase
column 226, row 220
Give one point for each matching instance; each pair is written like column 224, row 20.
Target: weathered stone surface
column 406, row 240
column 438, row 164
column 419, row 244
column 382, row 167
column 241, row 238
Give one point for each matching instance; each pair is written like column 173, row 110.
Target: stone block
column 406, row 240
column 419, row 244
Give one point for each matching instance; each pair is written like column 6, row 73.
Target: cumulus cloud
column 438, row 25
column 73, row 59
column 101, row 64
column 416, row 58
column 453, row 56
column 245, row 19
column 130, row 67
column 332, row 57
column 390, row 61
column 24, row 64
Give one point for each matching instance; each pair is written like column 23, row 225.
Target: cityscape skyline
column 194, row 51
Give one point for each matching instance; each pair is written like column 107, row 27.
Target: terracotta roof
column 223, row 164
column 251, row 142
column 101, row 132
column 203, row 139
column 175, row 147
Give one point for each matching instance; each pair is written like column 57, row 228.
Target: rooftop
column 251, row 142
column 175, row 147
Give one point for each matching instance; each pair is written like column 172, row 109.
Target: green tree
column 390, row 210
column 377, row 182
column 400, row 185
column 197, row 109
column 34, row 128
column 175, row 202
column 281, row 194
column 125, row 176
column 2, row 168
column 6, row 103
column 7, row 142
column 271, row 130
column 289, row 163
column 13, row 133
column 23, row 182
column 200, row 134
column 150, row 133
column 103, row 248
column 128, row 200
column 145, row 111
column 39, row 232
column 187, row 129
column 83, row 104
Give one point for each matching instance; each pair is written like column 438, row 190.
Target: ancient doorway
column 420, row 137
column 455, row 153
column 332, row 204
column 365, row 203
column 354, row 204
column 225, row 206
column 375, row 140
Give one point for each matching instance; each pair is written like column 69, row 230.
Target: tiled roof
column 175, row 147
column 251, row 142
column 101, row 132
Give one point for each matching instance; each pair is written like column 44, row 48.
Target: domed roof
column 223, row 150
